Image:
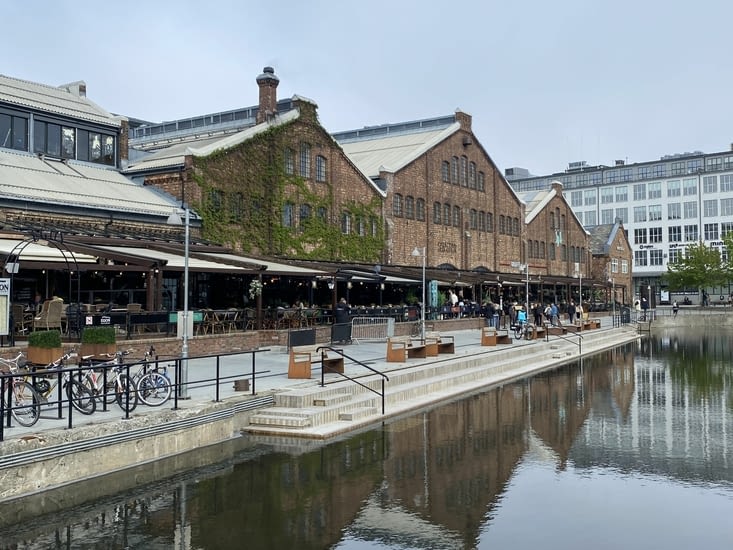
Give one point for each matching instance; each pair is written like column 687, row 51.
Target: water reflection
column 516, row 465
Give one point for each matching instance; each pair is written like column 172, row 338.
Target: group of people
column 540, row 313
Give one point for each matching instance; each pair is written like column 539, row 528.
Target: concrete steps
column 319, row 412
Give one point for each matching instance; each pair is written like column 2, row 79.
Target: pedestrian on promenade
column 571, row 312
column 675, row 308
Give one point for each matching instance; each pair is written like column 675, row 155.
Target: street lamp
column 415, row 253
column 175, row 219
column 525, row 268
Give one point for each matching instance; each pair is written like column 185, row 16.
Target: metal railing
column 324, row 367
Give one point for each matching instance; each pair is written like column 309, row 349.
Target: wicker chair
column 50, row 316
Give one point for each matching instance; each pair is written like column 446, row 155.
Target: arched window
column 321, row 174
column 445, row 171
column 305, row 214
column 437, row 209
column 464, row 170
column 288, row 208
column 397, row 205
column 305, row 160
column 456, row 216
column 289, row 161
column 472, row 175
column 409, row 208
column 515, row 226
column 481, row 182
column 454, row 170
column 473, row 219
column 447, row 210
column 482, row 221
column 489, row 222
column 502, row 226
column 420, row 210
column 346, row 223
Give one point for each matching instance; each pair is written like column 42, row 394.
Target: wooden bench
column 539, row 332
column 491, row 336
column 303, row 357
column 444, row 344
column 400, row 348
column 556, row 330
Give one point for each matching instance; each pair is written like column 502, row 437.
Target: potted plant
column 44, row 346
column 98, row 341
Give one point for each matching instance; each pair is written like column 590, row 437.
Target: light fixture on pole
column 175, row 219
column 415, row 253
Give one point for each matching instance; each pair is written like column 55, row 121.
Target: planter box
column 43, row 356
column 97, row 349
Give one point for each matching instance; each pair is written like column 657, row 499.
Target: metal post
column 416, row 252
column 184, row 345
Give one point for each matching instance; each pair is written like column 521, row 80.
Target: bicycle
column 416, row 329
column 153, row 386
column 81, row 397
column 115, row 386
column 25, row 402
column 522, row 329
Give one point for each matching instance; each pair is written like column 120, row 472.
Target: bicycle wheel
column 81, row 397
column 517, row 332
column 126, row 395
column 26, row 405
column 154, row 389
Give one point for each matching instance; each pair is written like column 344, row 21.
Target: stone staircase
column 342, row 405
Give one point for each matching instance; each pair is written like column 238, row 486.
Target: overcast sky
column 547, row 83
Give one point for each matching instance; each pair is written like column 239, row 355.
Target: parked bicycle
column 152, row 383
column 108, row 380
column 25, row 402
column 46, row 379
column 522, row 329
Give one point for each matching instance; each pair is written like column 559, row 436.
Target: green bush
column 99, row 335
column 48, row 339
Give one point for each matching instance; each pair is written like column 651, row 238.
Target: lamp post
column 415, row 253
column 613, row 302
column 175, row 219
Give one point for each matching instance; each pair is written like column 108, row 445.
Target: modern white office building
column 665, row 205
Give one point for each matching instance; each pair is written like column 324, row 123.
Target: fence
column 371, row 328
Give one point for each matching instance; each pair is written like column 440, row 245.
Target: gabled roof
column 602, row 237
column 537, row 200
column 29, row 178
column 391, row 147
column 66, row 100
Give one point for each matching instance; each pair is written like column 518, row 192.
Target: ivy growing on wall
column 244, row 192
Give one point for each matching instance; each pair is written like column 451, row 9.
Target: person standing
column 555, row 315
column 644, row 307
column 571, row 312
column 675, row 308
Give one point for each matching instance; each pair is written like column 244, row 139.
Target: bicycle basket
column 42, row 385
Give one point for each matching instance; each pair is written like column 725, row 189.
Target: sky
column 547, row 83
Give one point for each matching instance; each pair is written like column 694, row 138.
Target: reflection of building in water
column 679, row 421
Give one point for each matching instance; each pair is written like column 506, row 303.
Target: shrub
column 99, row 335
column 48, row 339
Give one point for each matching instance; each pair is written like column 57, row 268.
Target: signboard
column 5, row 307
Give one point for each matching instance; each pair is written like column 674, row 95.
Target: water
column 627, row 450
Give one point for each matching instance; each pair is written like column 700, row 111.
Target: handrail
column 323, row 349
column 561, row 336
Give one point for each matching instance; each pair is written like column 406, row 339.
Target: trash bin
column 625, row 315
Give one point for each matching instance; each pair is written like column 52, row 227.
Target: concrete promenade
column 29, row 457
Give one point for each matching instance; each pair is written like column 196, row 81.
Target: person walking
column 571, row 312
column 644, row 307
column 675, row 308
column 555, row 315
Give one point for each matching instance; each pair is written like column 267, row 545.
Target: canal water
column 626, row 449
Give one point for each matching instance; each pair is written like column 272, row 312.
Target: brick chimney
column 267, row 82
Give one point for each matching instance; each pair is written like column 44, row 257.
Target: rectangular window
column 346, row 223
column 726, row 207
column 606, row 195
column 674, row 255
column 660, row 170
column 673, row 188
column 13, row 132
column 640, row 257
column 726, row 182
column 639, row 236
column 320, row 168
column 621, row 193
column 576, row 199
column 714, row 164
column 710, row 184
column 639, row 214
column 623, row 214
column 437, row 209
column 645, row 172
column 640, row 192
column 654, row 190
column 305, row 160
column 725, row 228
column 655, row 234
column 624, row 266
column 289, row 161
column 711, row 232
column 710, row 208
column 655, row 212
column 677, row 168
column 674, row 211
column 626, row 174
column 689, row 186
column 655, row 257
column 690, row 209
column 614, row 265
column 607, row 216
column 589, row 197
column 590, row 217
column 675, row 234
column 691, row 233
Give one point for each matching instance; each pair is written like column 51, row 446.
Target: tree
column 700, row 267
